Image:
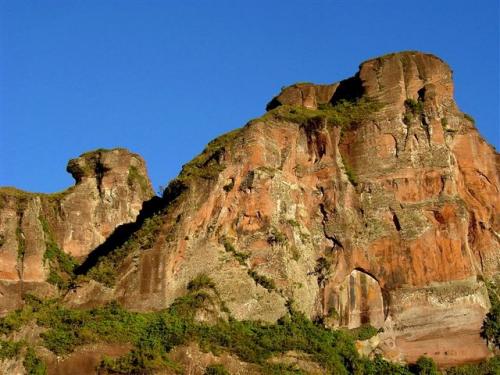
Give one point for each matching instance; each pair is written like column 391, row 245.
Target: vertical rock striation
column 111, row 186
column 373, row 200
column 369, row 201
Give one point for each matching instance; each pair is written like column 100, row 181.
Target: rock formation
column 369, row 201
column 111, row 186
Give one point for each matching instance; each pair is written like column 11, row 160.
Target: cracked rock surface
column 369, row 201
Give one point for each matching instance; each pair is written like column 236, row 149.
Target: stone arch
column 356, row 301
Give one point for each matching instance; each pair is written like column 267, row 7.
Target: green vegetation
column 13, row 349
column 227, row 188
column 281, row 369
column 415, row 106
column 491, row 325
column 469, row 118
column 201, row 281
column 9, row 349
column 277, row 237
column 240, row 257
column 414, row 109
column 135, row 177
column 425, row 366
column 256, row 342
column 379, row 366
column 61, row 265
column 344, row 114
column 488, row 367
column 101, row 150
column 363, row 332
column 209, row 163
column 262, row 280
column 105, row 271
column 216, row 370
column 32, row 364
column 154, row 334
column 349, row 171
column 444, row 122
column 15, row 192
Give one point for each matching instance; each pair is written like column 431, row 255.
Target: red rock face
column 369, row 201
column 404, row 197
column 111, row 186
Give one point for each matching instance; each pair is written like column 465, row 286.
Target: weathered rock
column 111, row 186
column 194, row 361
column 361, row 218
column 369, row 201
column 84, row 360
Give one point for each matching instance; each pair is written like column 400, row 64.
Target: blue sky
column 163, row 78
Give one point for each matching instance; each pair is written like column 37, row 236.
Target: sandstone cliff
column 369, row 201
column 39, row 231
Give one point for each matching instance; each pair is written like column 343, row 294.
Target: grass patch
column 344, row 113
column 490, row 330
column 414, row 109
column 363, row 332
column 202, row 281
column 350, row 173
column 469, row 118
column 32, row 364
column 217, row 369
column 277, row 237
column 209, row 164
column 61, row 265
column 262, row 280
column 488, row 367
column 281, row 369
column 10, row 349
column 240, row 257
column 135, row 177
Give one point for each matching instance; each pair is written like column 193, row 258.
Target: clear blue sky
column 163, row 78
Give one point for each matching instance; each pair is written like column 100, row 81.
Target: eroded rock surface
column 369, row 201
column 111, row 186
column 368, row 217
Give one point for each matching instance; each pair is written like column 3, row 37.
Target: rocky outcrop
column 369, row 201
column 38, row 229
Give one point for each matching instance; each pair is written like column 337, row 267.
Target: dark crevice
column 123, row 232
column 386, row 298
column 274, row 103
column 481, row 262
column 365, row 308
column 100, row 170
column 248, row 181
column 321, row 270
column 439, row 217
column 396, row 222
column 350, row 89
column 421, row 94
column 316, row 138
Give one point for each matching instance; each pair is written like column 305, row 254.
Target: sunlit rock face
column 111, row 186
column 369, row 201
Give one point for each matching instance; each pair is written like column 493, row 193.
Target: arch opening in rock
column 355, row 302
